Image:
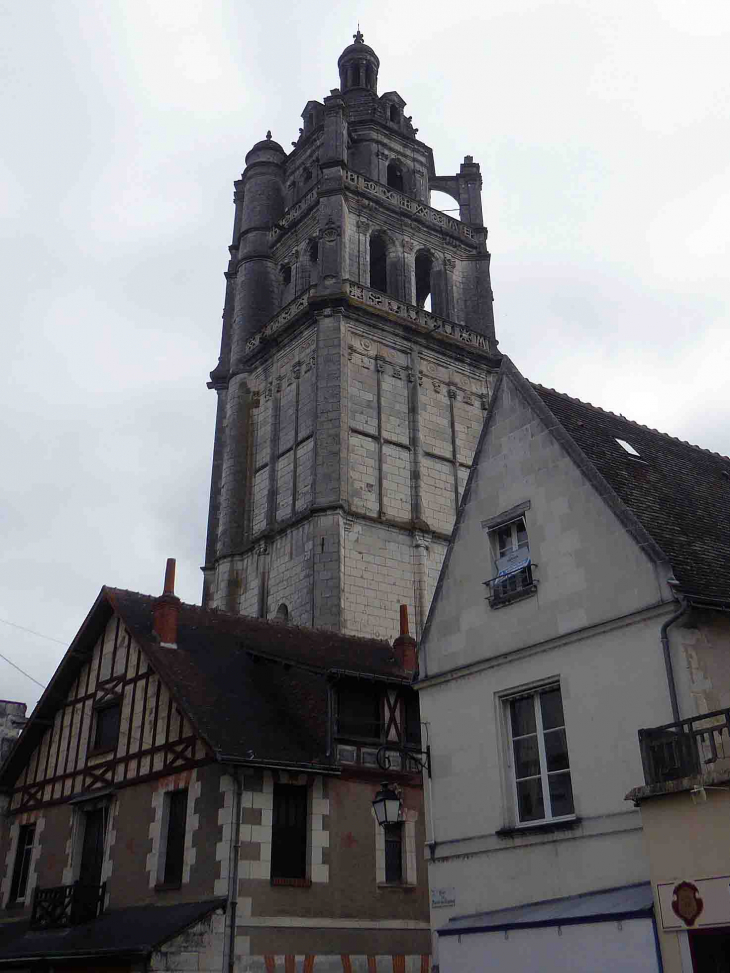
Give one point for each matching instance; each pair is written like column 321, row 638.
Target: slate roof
column 679, row 493
column 609, row 905
column 272, row 708
column 254, row 690
column 134, row 931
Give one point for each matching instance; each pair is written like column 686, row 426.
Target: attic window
column 628, row 448
column 108, row 719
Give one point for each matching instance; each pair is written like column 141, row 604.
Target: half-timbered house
column 194, row 792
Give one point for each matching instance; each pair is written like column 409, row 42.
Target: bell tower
column 357, row 359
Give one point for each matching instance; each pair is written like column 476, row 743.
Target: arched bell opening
column 395, row 176
column 379, row 262
column 370, row 77
column 424, row 267
column 430, row 283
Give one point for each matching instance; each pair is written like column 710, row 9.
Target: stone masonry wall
column 377, row 435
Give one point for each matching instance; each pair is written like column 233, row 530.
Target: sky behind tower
column 602, row 134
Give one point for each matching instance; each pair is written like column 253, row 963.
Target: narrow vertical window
column 378, row 263
column 21, row 869
column 289, row 832
column 395, row 176
column 540, row 752
column 177, row 809
column 108, row 719
column 513, row 562
column 393, row 852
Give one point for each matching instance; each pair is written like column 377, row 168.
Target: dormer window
column 394, row 114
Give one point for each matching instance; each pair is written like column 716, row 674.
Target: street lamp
column 387, row 805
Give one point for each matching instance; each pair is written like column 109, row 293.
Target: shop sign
column 694, row 903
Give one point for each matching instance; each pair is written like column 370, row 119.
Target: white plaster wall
column 588, row 568
column 612, row 685
column 591, row 948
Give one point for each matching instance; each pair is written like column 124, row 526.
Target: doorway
column 710, row 949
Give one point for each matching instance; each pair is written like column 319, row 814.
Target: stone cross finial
column 358, row 38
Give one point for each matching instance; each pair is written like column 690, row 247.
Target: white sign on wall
column 441, row 898
column 695, row 903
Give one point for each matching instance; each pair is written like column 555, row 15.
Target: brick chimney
column 404, row 645
column 167, row 609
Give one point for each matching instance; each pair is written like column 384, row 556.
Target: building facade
column 685, row 806
column 569, row 615
column 357, row 358
column 194, row 791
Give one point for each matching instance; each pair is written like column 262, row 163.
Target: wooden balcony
column 66, row 905
column 688, row 748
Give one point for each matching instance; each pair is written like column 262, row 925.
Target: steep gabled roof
column 255, row 691
column 674, row 498
column 679, row 493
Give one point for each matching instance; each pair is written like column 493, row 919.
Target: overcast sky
column 602, row 133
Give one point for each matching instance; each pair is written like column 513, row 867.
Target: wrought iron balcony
column 66, row 905
column 686, row 749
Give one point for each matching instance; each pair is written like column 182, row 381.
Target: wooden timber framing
column 155, row 737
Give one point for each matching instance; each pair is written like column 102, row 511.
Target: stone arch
column 430, row 280
column 394, row 176
column 282, row 614
column 386, row 264
column 423, row 268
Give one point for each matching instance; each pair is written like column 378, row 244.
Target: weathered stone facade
column 12, row 721
column 348, row 413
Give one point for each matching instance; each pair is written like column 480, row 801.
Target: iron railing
column 687, row 748
column 66, row 905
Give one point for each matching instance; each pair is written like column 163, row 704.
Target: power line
column 32, row 631
column 32, row 678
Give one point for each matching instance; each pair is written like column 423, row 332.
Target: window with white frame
column 539, row 756
column 512, row 560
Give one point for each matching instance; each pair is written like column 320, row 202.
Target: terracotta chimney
column 167, row 609
column 404, row 645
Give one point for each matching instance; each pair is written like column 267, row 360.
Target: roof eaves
column 625, row 515
column 53, row 696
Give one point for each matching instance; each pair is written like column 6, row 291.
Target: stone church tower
column 348, row 411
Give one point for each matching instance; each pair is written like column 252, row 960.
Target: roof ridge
column 310, row 629
column 632, row 422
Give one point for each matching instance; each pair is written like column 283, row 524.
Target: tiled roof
column 254, row 689
column 131, row 932
column 679, row 493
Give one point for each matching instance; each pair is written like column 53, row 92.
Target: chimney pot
column 166, row 609
column 404, row 645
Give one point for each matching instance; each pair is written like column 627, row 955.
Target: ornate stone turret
column 357, row 358
column 358, row 65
